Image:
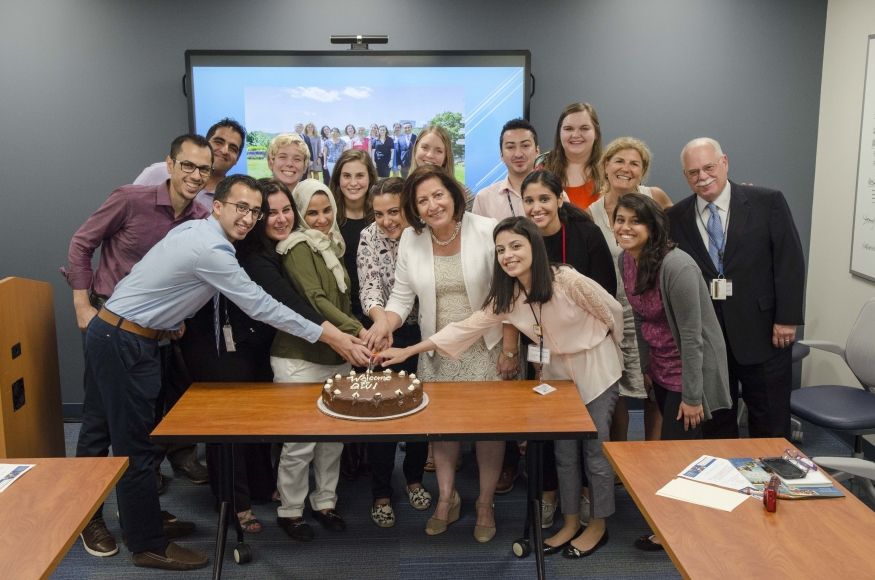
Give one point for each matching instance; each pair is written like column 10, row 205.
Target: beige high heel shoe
column 484, row 534
column 435, row 526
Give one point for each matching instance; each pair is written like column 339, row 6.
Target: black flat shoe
column 549, row 550
column 330, row 520
column 296, row 528
column 647, row 544
column 573, row 553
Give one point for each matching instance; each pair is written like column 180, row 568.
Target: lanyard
column 509, row 204
column 536, row 328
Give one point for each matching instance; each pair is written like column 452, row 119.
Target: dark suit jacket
column 404, row 149
column 763, row 258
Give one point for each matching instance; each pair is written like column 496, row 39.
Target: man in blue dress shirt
column 174, row 279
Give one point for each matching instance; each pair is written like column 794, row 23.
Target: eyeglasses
column 708, row 169
column 800, row 460
column 189, row 167
column 244, row 209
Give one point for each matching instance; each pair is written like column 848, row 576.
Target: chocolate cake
column 372, row 394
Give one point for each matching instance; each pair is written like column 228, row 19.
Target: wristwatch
column 509, row 353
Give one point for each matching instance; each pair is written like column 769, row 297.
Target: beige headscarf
column 329, row 247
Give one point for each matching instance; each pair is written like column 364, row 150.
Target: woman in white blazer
column 445, row 262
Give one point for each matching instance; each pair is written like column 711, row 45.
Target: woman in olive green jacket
column 313, row 257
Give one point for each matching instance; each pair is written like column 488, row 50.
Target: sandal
column 249, row 522
column 419, row 498
column 434, row 525
column 483, row 533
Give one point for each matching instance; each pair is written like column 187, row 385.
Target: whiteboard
column 863, row 241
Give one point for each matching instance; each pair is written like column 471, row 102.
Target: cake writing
column 367, row 382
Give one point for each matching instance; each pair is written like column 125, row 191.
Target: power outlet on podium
column 18, row 394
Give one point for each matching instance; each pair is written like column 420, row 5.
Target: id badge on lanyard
column 721, row 288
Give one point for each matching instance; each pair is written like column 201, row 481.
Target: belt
column 127, row 325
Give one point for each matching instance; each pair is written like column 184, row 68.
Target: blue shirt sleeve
column 219, row 268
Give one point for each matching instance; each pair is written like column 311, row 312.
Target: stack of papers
column 701, row 481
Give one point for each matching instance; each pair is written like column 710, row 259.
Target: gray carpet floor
column 365, row 551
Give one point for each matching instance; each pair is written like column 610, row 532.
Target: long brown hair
column 556, row 161
column 334, row 183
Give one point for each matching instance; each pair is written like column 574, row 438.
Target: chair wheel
column 522, row 548
column 242, row 553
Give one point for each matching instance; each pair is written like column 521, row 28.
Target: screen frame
column 372, row 58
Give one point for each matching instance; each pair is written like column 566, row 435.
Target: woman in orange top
column 577, row 149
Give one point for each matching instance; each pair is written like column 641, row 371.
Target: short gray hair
column 698, row 142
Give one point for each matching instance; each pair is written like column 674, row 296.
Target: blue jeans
column 122, row 383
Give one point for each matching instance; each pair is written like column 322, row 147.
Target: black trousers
column 669, row 402
column 381, row 456
column 765, row 388
column 122, row 383
column 195, row 359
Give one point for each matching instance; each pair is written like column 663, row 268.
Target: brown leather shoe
column 97, row 540
column 175, row 557
column 194, row 470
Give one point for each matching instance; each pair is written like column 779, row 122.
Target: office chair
column 843, row 408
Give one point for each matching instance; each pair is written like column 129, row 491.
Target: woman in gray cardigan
column 680, row 343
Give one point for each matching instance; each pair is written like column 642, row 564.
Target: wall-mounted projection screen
column 472, row 94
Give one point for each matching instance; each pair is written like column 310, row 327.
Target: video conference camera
column 359, row 41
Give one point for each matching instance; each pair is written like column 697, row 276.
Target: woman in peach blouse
column 580, row 325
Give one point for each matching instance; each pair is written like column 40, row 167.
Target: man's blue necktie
column 715, row 238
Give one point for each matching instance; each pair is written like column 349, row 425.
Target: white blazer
column 414, row 273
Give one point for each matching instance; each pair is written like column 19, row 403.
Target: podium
column 31, row 421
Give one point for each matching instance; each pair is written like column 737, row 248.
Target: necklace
column 453, row 237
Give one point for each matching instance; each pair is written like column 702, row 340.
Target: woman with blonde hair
column 288, row 159
column 623, row 168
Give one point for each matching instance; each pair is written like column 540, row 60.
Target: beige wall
column 833, row 296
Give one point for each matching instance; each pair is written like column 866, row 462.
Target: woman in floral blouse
column 377, row 250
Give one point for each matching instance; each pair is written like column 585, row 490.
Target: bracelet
column 509, row 353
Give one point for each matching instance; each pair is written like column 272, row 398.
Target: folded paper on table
column 702, row 494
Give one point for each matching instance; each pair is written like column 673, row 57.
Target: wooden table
column 46, row 509
column 463, row 411
column 822, row 538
